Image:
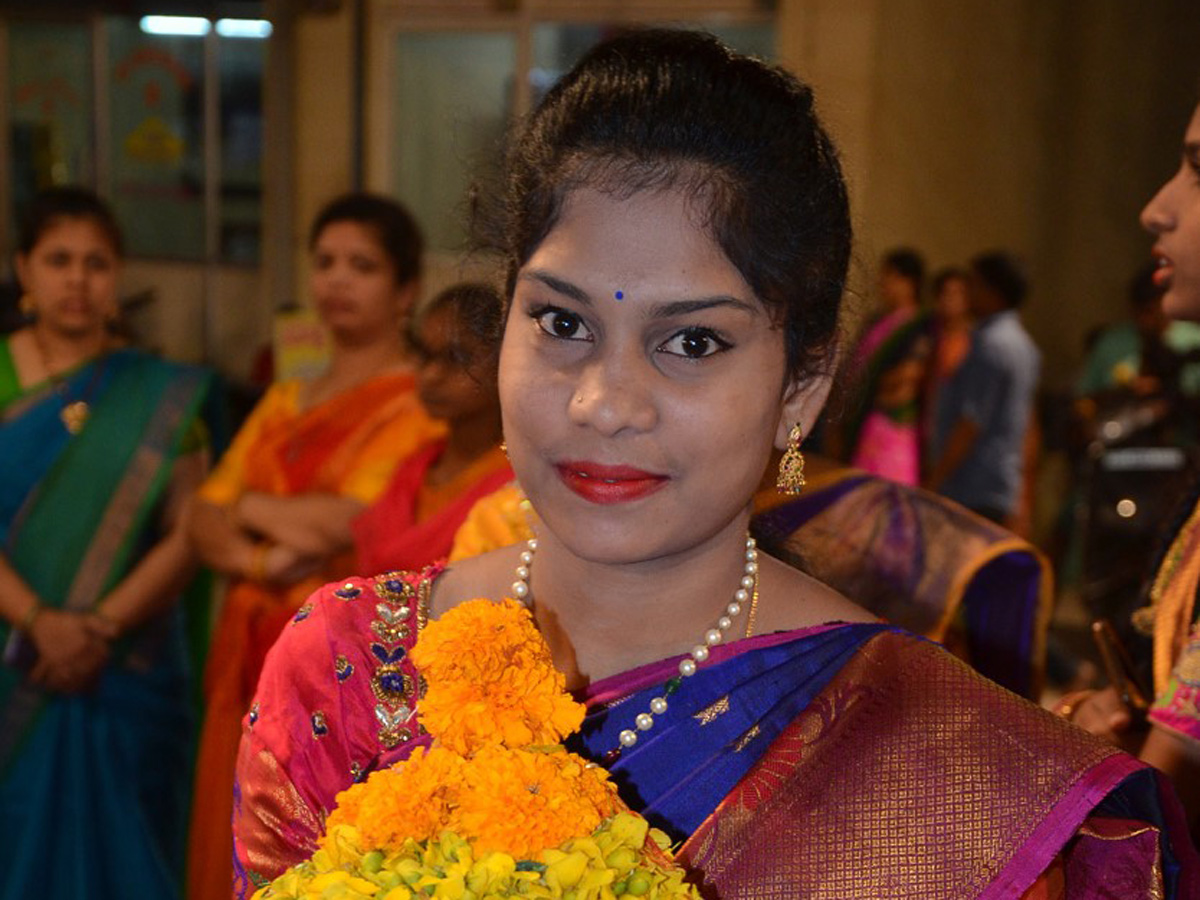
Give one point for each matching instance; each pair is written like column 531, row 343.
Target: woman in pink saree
column 677, row 244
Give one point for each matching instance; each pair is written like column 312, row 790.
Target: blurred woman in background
column 1172, row 742
column 413, row 523
column 271, row 517
column 101, row 447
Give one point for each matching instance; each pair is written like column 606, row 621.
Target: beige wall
column 1041, row 127
column 217, row 316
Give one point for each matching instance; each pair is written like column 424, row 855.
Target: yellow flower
column 491, row 679
column 491, row 871
column 341, row 885
column 564, row 870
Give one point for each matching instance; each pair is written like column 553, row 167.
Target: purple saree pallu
column 857, row 761
column 926, row 564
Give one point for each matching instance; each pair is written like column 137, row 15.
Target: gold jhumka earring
column 27, row 307
column 791, row 467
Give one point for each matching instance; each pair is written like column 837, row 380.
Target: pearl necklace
column 747, row 591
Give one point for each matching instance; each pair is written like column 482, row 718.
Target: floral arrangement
column 496, row 807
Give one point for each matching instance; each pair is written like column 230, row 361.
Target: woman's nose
column 1158, row 215
column 614, row 394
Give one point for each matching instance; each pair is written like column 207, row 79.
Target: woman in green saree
column 100, row 447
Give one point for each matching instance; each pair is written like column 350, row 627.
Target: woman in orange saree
column 273, row 516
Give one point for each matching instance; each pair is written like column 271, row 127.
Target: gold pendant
column 75, row 415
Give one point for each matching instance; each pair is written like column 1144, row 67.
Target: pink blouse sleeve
column 1178, row 707
column 336, row 700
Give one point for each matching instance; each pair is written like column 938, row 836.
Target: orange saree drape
column 347, row 445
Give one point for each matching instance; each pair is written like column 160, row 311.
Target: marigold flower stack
column 497, row 807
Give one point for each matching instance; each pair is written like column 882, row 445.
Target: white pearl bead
column 699, row 654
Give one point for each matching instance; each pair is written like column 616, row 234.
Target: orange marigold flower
column 523, row 801
column 410, row 800
column 491, row 679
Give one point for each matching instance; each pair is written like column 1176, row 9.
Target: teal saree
column 92, row 802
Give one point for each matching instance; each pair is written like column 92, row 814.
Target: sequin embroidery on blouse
column 394, row 683
column 302, row 613
column 1188, row 666
column 395, row 590
column 390, row 626
column 253, row 716
column 342, row 667
column 348, row 591
column 320, row 727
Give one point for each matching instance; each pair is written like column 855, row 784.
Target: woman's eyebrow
column 558, row 285
column 699, row 304
column 655, row 311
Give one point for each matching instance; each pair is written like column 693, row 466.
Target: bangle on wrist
column 258, row 562
column 27, row 620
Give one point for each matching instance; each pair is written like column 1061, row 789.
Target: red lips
column 602, row 484
column 1162, row 275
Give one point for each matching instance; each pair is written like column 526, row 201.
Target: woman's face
column 1173, row 217
column 354, row 284
column 70, row 276
column 452, row 381
column 951, row 303
column 641, row 381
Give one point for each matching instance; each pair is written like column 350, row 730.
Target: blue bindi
column 620, row 295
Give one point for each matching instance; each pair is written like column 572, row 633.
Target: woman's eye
column 694, row 343
column 561, row 324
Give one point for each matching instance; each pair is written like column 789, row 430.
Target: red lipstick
column 1162, row 274
column 601, row 484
